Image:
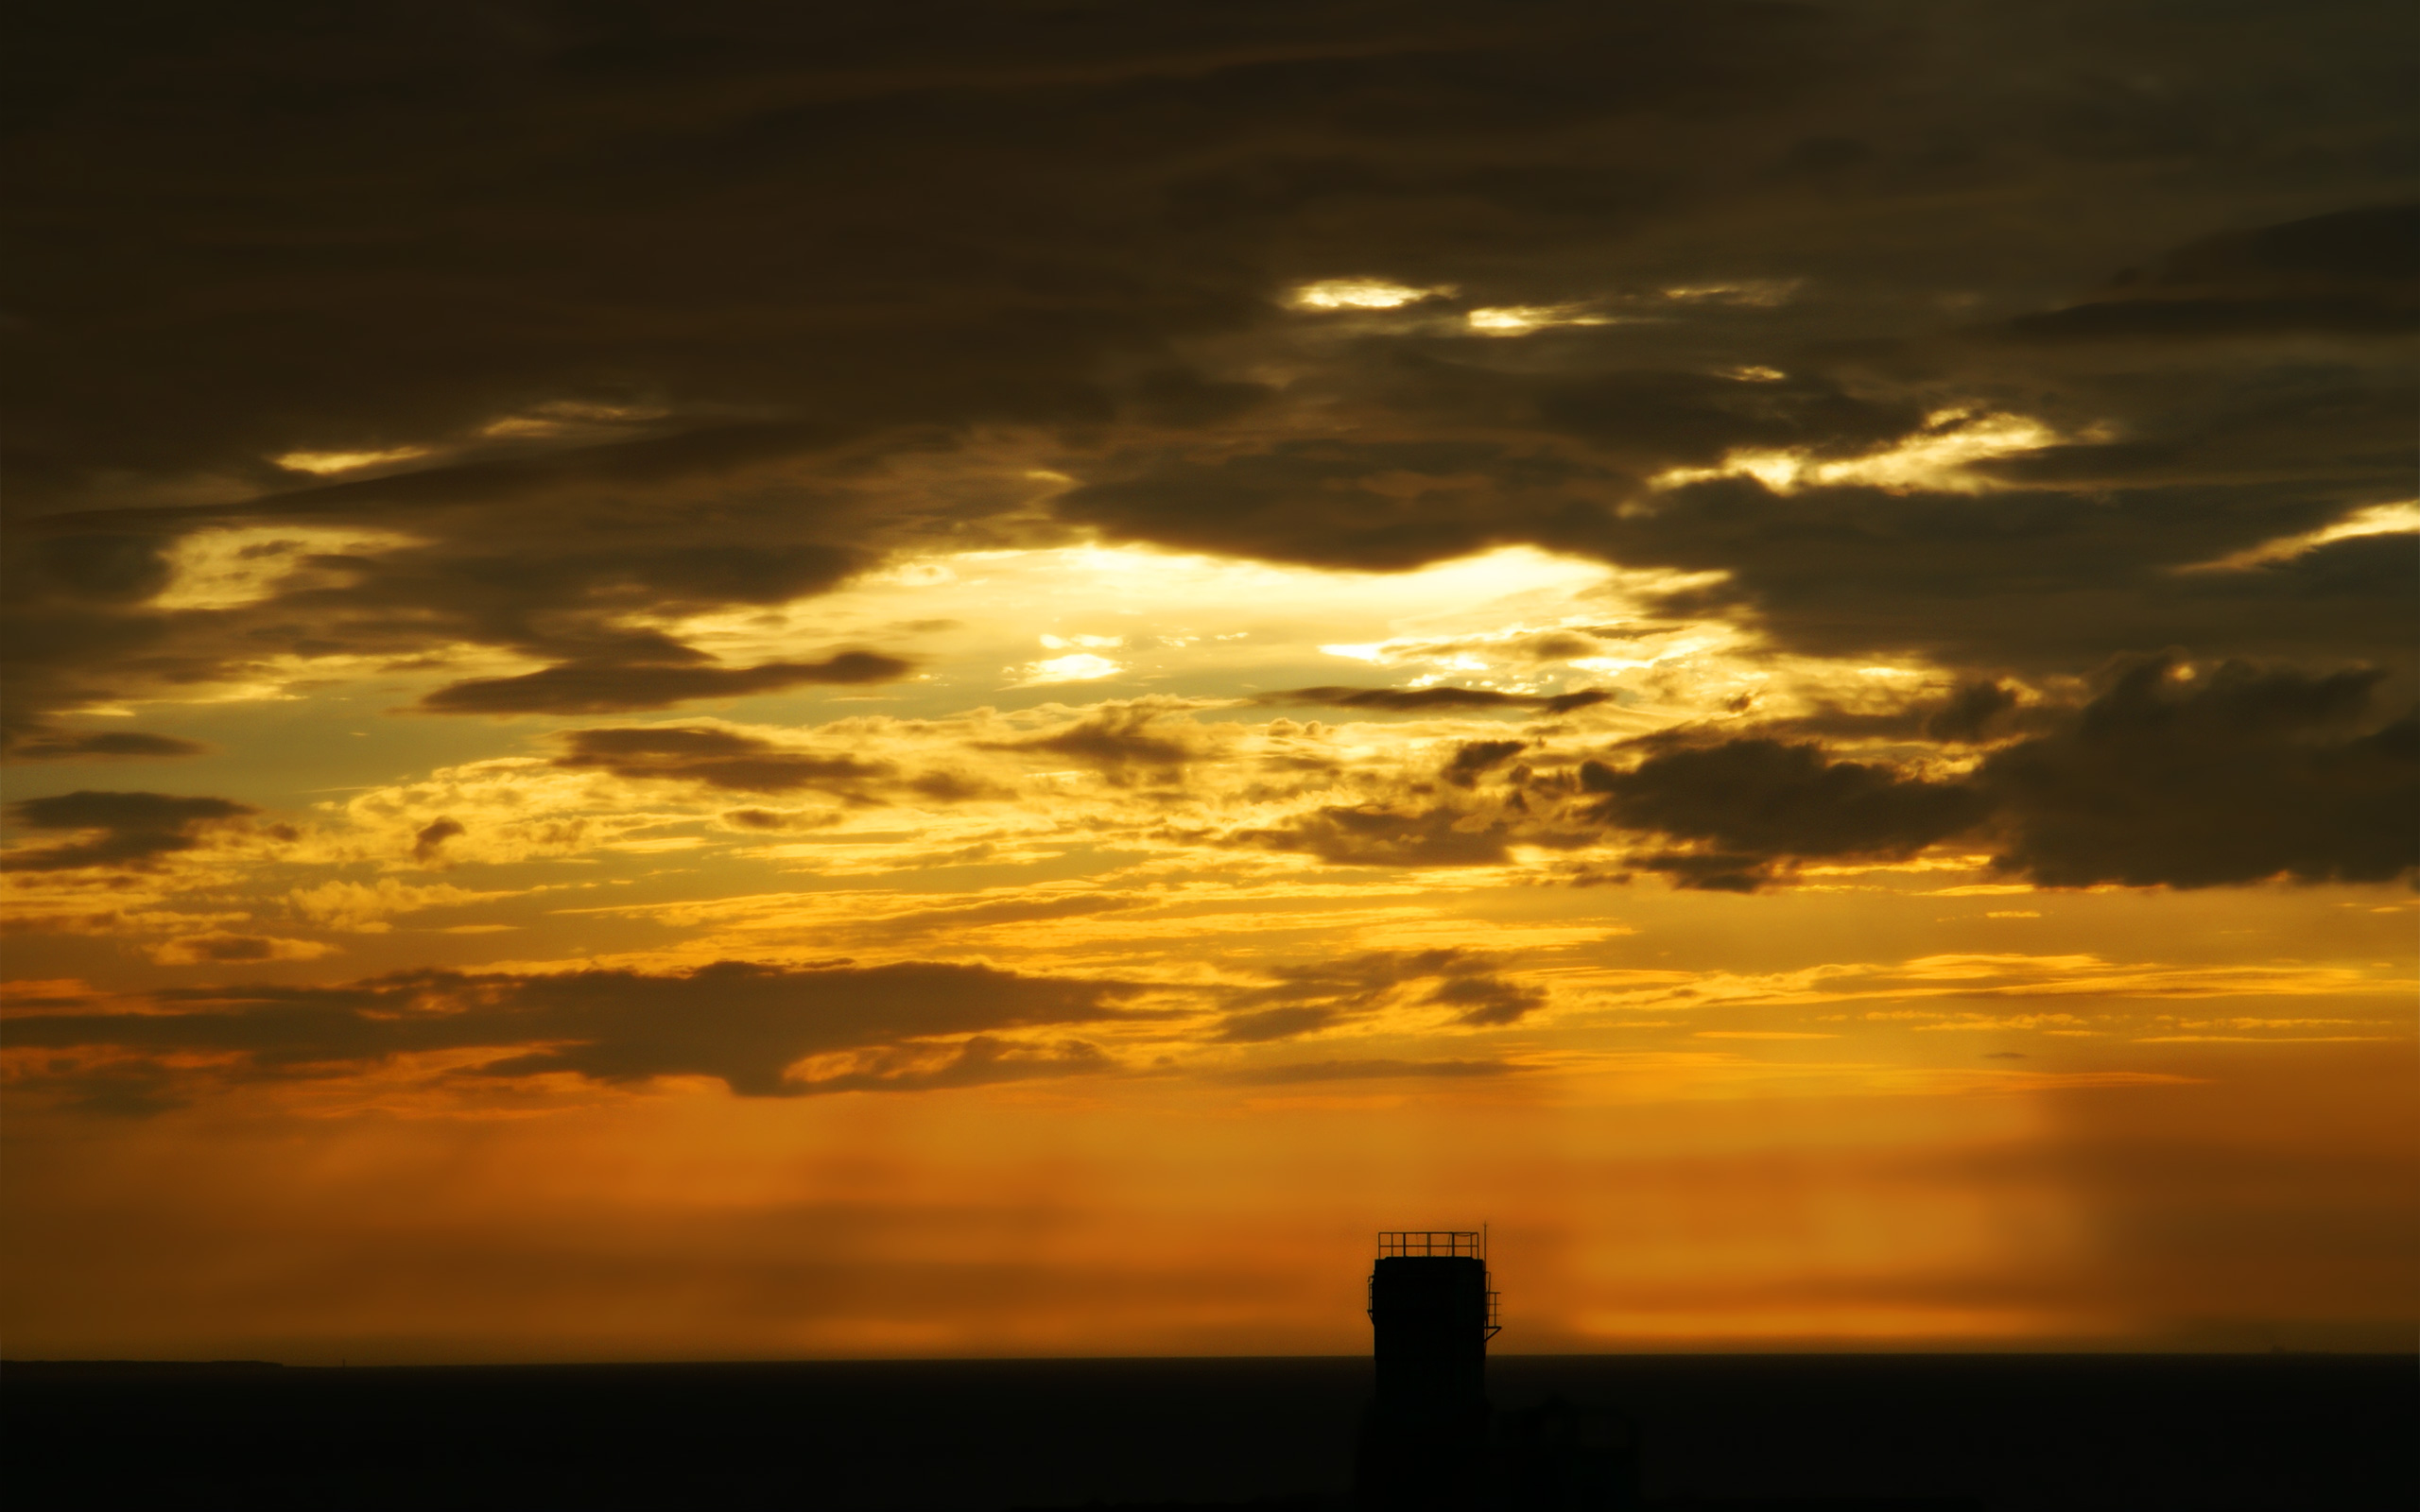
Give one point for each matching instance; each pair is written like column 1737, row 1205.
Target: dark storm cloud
column 1304, row 999
column 1472, row 759
column 1390, row 835
column 2170, row 774
column 1485, row 1001
column 2235, row 775
column 126, row 830
column 2228, row 773
column 718, row 758
column 1971, row 713
column 1584, row 443
column 1477, row 802
column 2046, row 581
column 1767, row 798
column 919, row 1025
column 941, row 213
column 1416, row 701
column 220, row 949
column 1366, row 504
column 1976, row 712
column 734, row 761
column 66, row 602
column 1131, row 745
column 598, row 687
column 496, row 572
column 50, row 745
column 665, row 292
column 2354, row 272
column 1379, row 1070
column 2065, row 553
column 1277, row 1024
column 779, row 820
column 429, row 844
column 546, row 601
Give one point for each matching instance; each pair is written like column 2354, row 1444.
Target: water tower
column 1431, row 1313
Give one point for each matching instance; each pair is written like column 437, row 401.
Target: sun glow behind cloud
column 1939, row 457
column 1520, row 319
column 1210, row 625
column 227, row 568
column 2376, row 520
column 331, row 462
column 1083, row 666
column 1360, row 294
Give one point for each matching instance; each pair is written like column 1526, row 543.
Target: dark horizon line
column 130, row 1363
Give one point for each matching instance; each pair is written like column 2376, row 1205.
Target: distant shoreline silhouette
column 1424, row 1420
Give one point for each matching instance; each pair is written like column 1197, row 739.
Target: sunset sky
column 768, row 680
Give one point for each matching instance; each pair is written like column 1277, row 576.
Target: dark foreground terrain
column 1983, row 1432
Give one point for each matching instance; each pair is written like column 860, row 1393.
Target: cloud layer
column 909, row 1026
column 438, row 439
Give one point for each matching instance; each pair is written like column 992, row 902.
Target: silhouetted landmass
column 2003, row 1432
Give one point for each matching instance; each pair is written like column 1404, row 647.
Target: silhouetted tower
column 1431, row 1313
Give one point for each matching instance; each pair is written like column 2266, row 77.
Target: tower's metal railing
column 1451, row 1243
column 1471, row 1243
